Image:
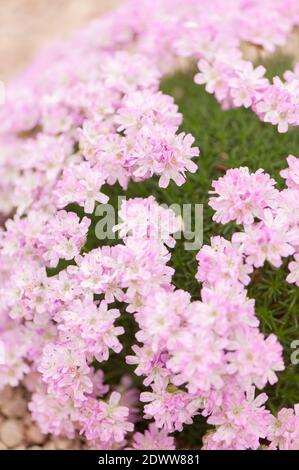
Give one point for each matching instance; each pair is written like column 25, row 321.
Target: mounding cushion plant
column 131, row 340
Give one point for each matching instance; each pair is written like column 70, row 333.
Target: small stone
column 49, row 446
column 35, row 448
column 11, row 433
column 34, row 435
column 21, row 447
column 2, row 446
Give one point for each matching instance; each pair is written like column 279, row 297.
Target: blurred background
column 26, row 25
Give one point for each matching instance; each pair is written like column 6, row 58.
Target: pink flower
column 254, row 359
column 13, row 366
column 283, row 431
column 63, row 237
column 171, row 409
column 160, row 316
column 267, row 240
column 65, row 372
column 222, row 261
column 150, row 364
column 215, row 76
column 53, row 416
column 95, row 325
column 144, row 218
column 241, row 422
column 247, row 84
column 105, row 421
column 89, row 113
column 197, row 360
column 165, row 154
column 277, row 106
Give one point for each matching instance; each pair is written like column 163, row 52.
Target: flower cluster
column 229, row 76
column 68, row 132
